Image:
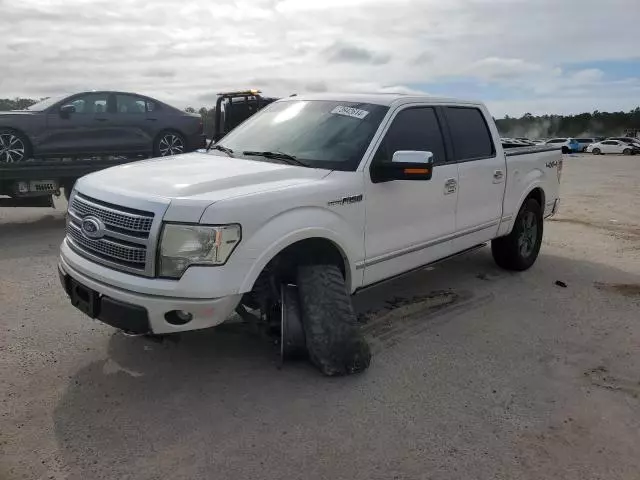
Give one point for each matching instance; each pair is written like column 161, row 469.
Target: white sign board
column 350, row 112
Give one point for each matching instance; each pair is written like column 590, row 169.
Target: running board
column 417, row 269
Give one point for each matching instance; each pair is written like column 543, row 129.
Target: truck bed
column 510, row 152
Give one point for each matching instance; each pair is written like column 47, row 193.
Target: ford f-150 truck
column 317, row 195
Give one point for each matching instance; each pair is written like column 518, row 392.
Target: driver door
column 409, row 223
column 83, row 131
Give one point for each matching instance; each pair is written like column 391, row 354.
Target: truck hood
column 198, row 176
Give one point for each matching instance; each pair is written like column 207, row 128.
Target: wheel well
column 308, row 251
column 538, row 195
column 169, row 130
column 282, row 267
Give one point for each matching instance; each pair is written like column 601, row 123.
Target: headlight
column 184, row 245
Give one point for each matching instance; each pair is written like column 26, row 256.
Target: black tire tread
column 505, row 249
column 334, row 341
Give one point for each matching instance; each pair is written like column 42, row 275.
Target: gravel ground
column 478, row 373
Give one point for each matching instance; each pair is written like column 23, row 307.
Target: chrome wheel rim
column 528, row 234
column 171, row 144
column 12, row 148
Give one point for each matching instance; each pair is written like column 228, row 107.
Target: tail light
column 201, row 127
column 560, row 170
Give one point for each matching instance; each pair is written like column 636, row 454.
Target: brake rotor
column 293, row 343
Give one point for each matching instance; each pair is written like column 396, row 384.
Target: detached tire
column 334, row 342
column 519, row 250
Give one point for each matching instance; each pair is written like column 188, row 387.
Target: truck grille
column 124, row 240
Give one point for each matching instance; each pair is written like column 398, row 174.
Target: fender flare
column 277, row 242
column 507, row 224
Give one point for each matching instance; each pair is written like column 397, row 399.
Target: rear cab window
column 469, row 133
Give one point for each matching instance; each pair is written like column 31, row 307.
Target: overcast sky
column 541, row 56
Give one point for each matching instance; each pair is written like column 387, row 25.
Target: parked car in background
column 568, row 145
column 584, row 143
column 514, row 143
column 612, row 146
column 629, row 140
column 98, row 123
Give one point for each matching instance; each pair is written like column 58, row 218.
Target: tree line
column 582, row 125
column 598, row 123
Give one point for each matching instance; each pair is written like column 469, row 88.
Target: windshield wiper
column 290, row 159
column 224, row 149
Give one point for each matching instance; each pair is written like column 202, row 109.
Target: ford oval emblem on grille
column 93, row 228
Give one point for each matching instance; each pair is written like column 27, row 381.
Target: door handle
column 450, row 186
column 151, row 119
column 101, row 119
column 498, row 175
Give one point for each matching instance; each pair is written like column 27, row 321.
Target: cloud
column 345, row 53
column 159, row 72
column 492, row 68
column 185, row 52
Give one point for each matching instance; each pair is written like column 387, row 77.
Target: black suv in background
column 98, row 123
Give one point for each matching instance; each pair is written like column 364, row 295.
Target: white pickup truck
column 330, row 193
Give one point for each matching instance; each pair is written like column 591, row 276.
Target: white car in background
column 585, row 142
column 611, row 146
column 568, row 145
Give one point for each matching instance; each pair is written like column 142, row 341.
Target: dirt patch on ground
column 626, row 289
column 601, row 377
column 405, row 306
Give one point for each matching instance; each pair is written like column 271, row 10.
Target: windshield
column 320, row 134
column 44, row 104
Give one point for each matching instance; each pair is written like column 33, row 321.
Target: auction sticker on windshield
column 350, row 112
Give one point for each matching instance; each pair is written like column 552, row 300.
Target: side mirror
column 405, row 165
column 67, row 110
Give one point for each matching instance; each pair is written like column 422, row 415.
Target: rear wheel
column 565, row 150
column 169, row 143
column 596, row 151
column 626, row 151
column 14, row 147
column 334, row 341
column 519, row 250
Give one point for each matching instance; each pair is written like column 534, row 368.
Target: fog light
column 178, row 317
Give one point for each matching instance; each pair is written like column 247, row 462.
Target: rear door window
column 130, row 104
column 413, row 129
column 469, row 133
